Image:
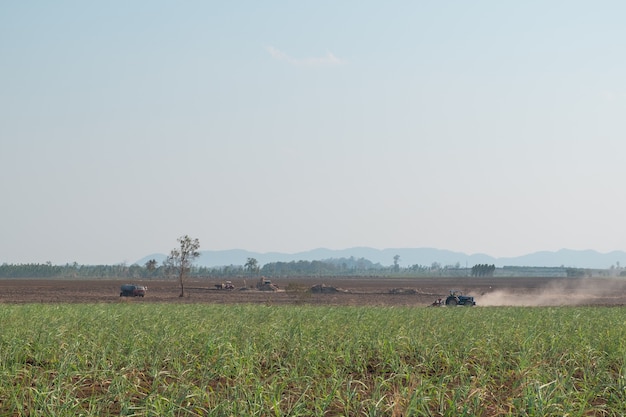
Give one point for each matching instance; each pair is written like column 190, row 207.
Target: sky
column 493, row 127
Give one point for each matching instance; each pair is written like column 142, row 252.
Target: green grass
column 243, row 360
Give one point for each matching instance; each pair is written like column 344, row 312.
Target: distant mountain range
column 408, row 257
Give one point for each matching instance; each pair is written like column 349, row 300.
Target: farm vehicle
column 264, row 284
column 456, row 298
column 228, row 285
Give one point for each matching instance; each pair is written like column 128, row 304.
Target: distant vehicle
column 228, row 285
column 457, row 298
column 265, row 284
column 132, row 290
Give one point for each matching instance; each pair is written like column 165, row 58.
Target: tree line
column 483, row 270
column 155, row 270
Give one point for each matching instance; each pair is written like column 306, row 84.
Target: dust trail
column 589, row 291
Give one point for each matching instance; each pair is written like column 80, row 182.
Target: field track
column 355, row 291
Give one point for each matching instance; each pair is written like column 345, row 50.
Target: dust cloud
column 567, row 292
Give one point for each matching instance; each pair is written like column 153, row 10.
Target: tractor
column 456, row 298
column 264, row 284
column 228, row 285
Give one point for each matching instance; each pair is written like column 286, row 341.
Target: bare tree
column 181, row 259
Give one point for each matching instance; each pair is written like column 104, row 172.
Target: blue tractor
column 456, row 298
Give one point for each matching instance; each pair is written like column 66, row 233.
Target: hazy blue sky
column 496, row 127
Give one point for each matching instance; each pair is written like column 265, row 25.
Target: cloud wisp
column 328, row 60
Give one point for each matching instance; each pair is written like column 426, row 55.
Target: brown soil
column 352, row 291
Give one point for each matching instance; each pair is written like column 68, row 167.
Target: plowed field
column 344, row 291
